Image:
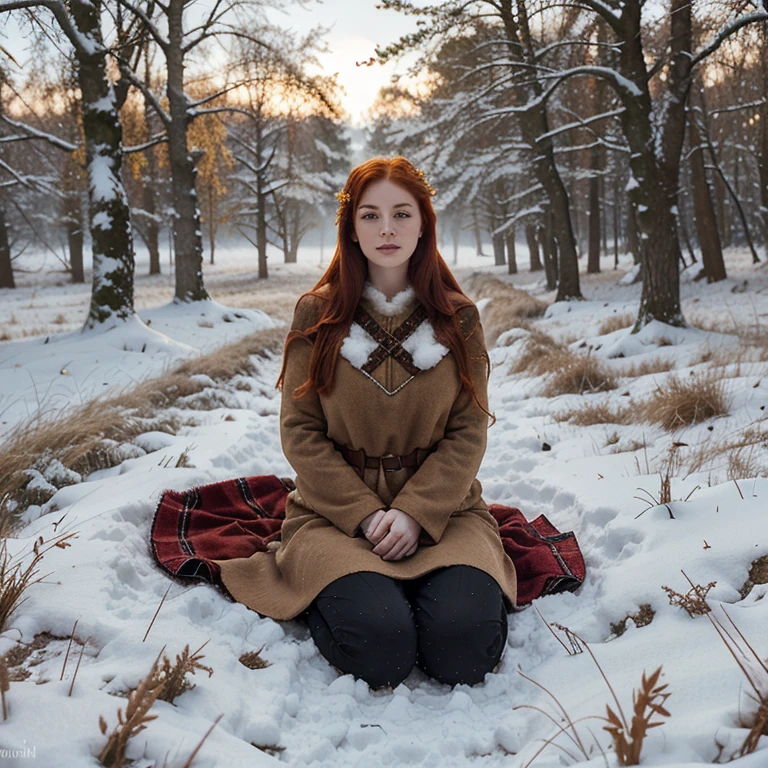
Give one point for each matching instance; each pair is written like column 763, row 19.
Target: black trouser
column 451, row 623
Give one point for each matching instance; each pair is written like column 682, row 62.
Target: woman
column 388, row 550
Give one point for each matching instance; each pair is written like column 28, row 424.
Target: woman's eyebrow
column 376, row 207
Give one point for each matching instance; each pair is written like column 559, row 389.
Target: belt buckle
column 394, row 469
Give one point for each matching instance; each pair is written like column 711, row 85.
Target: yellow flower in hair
column 343, row 197
column 430, row 188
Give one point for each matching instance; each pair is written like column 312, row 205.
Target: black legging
column 451, row 623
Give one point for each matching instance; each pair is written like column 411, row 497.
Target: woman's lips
column 388, row 248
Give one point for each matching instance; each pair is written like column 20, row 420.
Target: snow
column 106, row 580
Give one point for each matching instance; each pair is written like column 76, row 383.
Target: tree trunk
column 497, row 240
column 477, row 233
column 109, row 215
column 211, row 221
column 534, row 127
column 593, row 259
column 704, row 211
column 511, row 252
column 6, row 266
column 763, row 154
column 187, row 236
column 632, row 245
column 549, row 250
column 152, row 229
column 655, row 159
column 533, row 248
column 75, row 243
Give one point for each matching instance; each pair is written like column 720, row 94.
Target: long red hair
column 345, row 278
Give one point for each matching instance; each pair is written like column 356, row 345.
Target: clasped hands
column 394, row 533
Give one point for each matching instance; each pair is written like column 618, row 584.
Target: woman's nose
column 386, row 227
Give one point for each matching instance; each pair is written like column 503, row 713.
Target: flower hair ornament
column 344, row 197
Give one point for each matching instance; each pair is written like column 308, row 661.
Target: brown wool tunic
column 386, row 411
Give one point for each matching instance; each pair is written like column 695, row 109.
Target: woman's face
column 387, row 215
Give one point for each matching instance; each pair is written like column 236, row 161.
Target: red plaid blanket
column 235, row 518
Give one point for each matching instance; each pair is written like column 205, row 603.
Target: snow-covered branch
column 727, row 31
column 34, row 133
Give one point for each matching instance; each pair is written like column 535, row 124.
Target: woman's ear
column 354, row 237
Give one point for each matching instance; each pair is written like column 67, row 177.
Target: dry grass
column 174, row 676
column 508, row 308
column 736, row 451
column 642, row 618
column 136, row 717
column 568, row 372
column 253, row 659
column 682, row 402
column 634, row 369
column 579, row 375
column 540, row 354
column 694, row 601
column 16, row 576
column 627, row 737
column 49, row 452
column 590, row 414
column 758, row 574
column 616, row 323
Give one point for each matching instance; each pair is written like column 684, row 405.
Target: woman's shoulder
column 309, row 308
column 466, row 312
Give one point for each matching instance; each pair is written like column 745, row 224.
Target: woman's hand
column 370, row 523
column 395, row 534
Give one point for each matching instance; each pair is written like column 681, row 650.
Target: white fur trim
column 425, row 349
column 358, row 346
column 385, row 306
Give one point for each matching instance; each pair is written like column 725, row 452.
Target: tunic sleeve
column 323, row 478
column 440, row 484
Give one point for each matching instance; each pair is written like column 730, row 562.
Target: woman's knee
column 461, row 622
column 364, row 627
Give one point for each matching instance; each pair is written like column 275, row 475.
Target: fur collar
column 425, row 349
column 385, row 306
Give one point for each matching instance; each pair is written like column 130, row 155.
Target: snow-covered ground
column 588, row 482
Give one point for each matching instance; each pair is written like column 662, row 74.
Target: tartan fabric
column 239, row 517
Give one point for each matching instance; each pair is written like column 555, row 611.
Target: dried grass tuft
column 682, row 402
column 616, row 323
column 694, row 601
column 648, row 702
column 758, row 574
column 509, row 307
column 634, row 369
column 579, row 375
column 589, row 414
column 16, row 577
column 136, row 717
column 540, row 354
column 254, row 660
column 50, row 451
column 642, row 618
column 174, row 676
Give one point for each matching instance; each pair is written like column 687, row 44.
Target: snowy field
column 599, row 480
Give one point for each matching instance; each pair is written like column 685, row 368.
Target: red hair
column 345, row 278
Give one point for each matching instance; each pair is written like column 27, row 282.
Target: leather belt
column 360, row 461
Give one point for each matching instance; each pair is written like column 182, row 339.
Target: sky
column 357, row 27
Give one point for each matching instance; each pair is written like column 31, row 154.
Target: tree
column 653, row 95
column 519, row 89
column 108, row 214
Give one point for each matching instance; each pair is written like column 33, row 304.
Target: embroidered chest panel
column 412, row 344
